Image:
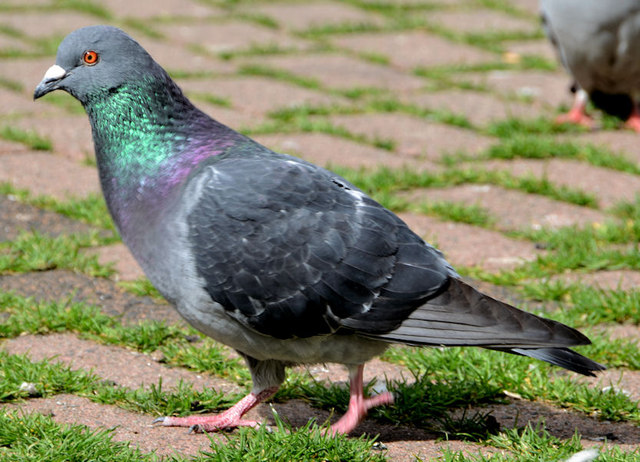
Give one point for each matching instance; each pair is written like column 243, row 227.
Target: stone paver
column 47, row 174
column 612, row 279
column 466, row 245
column 258, row 94
column 161, row 9
column 327, row 150
column 176, row 57
column 64, row 285
column 540, row 48
column 408, row 50
column 27, row 73
column 106, row 361
column 620, row 142
column 228, row 36
column 478, row 21
column 415, row 137
column 16, row 217
column 301, row 16
column 479, row 108
column 608, row 186
column 13, row 104
column 41, row 25
column 69, row 134
column 513, row 209
column 343, row 72
column 126, row 266
column 548, row 88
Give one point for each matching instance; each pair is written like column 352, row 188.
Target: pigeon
column 282, row 260
column 598, row 43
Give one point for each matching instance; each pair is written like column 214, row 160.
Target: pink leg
column 358, row 404
column 633, row 122
column 577, row 114
column 230, row 418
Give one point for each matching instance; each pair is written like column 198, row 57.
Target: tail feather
column 562, row 357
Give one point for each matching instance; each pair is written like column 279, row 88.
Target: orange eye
column 90, row 57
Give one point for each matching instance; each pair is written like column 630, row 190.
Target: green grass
column 27, row 137
column 91, row 209
column 35, row 437
column 384, row 181
column 36, row 252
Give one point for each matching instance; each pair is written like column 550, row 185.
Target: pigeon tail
column 563, row 357
column 462, row 316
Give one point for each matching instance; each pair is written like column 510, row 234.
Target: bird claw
column 197, row 428
column 158, row 420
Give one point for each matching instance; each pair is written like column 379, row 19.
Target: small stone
column 30, row 388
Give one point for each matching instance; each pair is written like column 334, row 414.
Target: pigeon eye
column 90, row 57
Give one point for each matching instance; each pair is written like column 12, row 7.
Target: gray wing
column 292, row 250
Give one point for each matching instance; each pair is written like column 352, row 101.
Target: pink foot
column 577, row 114
column 231, row 418
column 358, row 404
column 575, row 117
column 633, row 122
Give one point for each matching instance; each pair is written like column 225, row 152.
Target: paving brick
column 542, row 48
column 41, row 25
column 334, row 70
column 174, row 57
column 13, row 104
column 612, row 279
column 126, row 266
column 10, row 147
column 479, row 108
column 621, row 142
column 409, row 50
column 16, row 217
column 258, row 94
column 513, row 209
column 608, row 186
column 233, row 118
column 26, row 72
column 126, row 426
column 530, row 6
column 327, row 150
column 69, row 134
column 8, row 44
column 476, row 21
column 415, row 137
column 232, row 36
column 466, row 245
column 158, row 9
column 300, row 16
column 551, row 88
column 46, row 174
column 107, row 362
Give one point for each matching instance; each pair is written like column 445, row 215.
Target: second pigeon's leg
column 633, row 122
column 577, row 114
column 230, row 418
column 358, row 404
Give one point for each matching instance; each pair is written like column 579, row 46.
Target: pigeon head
column 94, row 60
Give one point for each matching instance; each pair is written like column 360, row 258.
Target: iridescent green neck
column 148, row 137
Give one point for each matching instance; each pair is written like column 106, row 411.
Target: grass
column 36, row 252
column 91, row 209
column 27, row 137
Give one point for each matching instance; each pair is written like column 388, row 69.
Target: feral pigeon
column 598, row 43
column 284, row 261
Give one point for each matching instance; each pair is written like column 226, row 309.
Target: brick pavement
column 379, row 56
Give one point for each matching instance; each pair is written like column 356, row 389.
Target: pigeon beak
column 50, row 81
